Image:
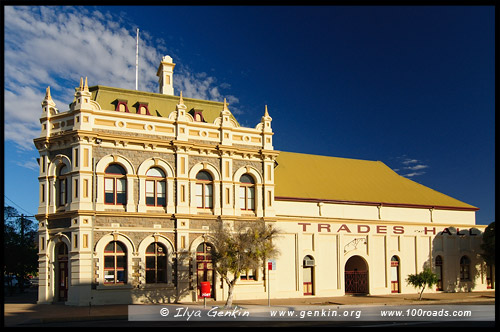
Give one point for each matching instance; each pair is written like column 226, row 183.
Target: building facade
column 131, row 182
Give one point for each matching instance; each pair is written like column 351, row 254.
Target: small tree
column 20, row 250
column 488, row 245
column 422, row 279
column 246, row 247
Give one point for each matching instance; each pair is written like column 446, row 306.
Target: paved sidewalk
column 22, row 309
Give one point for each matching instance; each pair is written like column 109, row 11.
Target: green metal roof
column 158, row 104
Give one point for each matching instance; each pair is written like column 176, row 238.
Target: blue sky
column 412, row 87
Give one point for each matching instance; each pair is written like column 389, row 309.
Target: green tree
column 20, row 249
column 488, row 245
column 246, row 247
column 422, row 279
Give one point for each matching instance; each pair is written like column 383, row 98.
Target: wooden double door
column 204, row 267
column 61, row 273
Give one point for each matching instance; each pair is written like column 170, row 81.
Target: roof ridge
column 327, row 156
column 153, row 94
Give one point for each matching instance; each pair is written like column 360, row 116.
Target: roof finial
column 266, row 113
column 225, row 105
column 81, row 83
column 47, row 101
column 181, row 100
column 86, row 86
column 47, row 94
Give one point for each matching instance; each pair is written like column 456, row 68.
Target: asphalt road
column 126, row 323
column 481, row 305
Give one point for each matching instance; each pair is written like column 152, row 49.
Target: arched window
column 439, row 261
column 115, row 263
column 395, row 274
column 156, row 186
column 204, row 190
column 439, row 272
column 465, row 268
column 247, row 192
column 156, row 263
column 115, row 185
column 62, row 186
column 308, row 275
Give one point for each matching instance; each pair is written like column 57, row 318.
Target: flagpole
column 137, row 61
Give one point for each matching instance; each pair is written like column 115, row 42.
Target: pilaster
column 44, row 295
column 80, row 261
column 225, row 125
column 228, row 190
column 182, row 179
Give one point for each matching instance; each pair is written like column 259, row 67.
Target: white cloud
column 30, row 164
column 55, row 46
column 410, row 167
column 409, row 175
column 409, row 161
column 416, row 167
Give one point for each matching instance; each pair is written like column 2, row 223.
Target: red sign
column 271, row 265
column 205, row 289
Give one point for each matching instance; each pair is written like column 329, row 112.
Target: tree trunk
column 229, row 301
column 421, row 293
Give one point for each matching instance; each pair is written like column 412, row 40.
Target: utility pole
column 23, row 226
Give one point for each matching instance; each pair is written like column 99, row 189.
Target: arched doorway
column 61, row 272
column 356, row 276
column 204, row 266
column 395, row 275
column 308, row 275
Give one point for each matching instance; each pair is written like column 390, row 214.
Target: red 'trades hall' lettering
column 398, row 230
column 344, row 228
column 383, row 229
column 361, row 229
column 304, row 225
column 324, row 226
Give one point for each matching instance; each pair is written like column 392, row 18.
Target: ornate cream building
column 131, row 181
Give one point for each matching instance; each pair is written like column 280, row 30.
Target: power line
column 29, row 213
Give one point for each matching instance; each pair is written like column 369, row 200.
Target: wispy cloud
column 413, row 174
column 410, row 167
column 409, row 161
column 30, row 164
column 416, row 167
column 57, row 45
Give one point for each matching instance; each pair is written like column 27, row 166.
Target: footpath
column 20, row 309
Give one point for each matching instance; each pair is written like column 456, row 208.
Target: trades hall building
column 131, row 182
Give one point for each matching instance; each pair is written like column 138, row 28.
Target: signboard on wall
column 271, row 265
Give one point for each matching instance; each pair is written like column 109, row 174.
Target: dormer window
column 197, row 115
column 142, row 108
column 121, row 106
